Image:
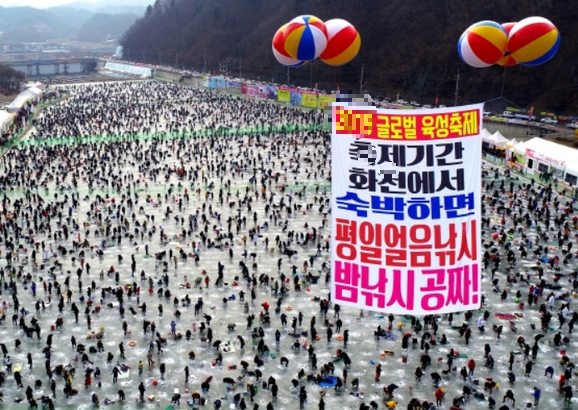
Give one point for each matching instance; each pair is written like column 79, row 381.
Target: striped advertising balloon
column 305, row 38
column 343, row 42
column 483, row 44
column 278, row 45
column 507, row 60
column 533, row 41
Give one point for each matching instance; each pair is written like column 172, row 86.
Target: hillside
column 102, row 27
column 27, row 24
column 408, row 46
column 113, row 6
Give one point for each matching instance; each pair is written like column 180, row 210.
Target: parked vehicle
column 548, row 120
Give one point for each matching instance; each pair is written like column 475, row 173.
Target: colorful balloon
column 305, row 38
column 279, row 52
column 483, row 44
column 533, row 41
column 343, row 42
column 507, row 60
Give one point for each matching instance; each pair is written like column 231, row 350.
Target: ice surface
column 363, row 347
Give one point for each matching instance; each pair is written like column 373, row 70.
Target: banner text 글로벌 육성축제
column 405, row 209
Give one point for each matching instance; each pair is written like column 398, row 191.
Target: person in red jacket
column 561, row 383
column 439, row 395
column 471, row 367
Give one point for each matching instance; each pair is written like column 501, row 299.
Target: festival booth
column 494, row 145
column 486, row 136
column 296, row 96
column 218, row 83
column 544, row 156
column 511, row 158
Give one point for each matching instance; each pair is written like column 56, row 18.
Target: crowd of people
column 186, row 259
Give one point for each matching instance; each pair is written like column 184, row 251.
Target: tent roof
column 499, row 138
column 486, row 136
column 35, row 90
column 32, row 84
column 496, row 139
column 22, row 98
column 552, row 150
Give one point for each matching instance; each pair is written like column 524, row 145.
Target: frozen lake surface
column 303, row 177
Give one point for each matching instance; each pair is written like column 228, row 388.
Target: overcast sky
column 41, row 4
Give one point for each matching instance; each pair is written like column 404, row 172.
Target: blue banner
column 296, row 98
column 271, row 92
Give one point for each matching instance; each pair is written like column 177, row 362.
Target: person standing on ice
column 377, row 372
column 536, row 394
column 115, row 372
column 529, row 366
column 141, row 390
column 471, row 367
column 439, row 395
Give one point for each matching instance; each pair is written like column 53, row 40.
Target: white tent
column 486, row 136
column 31, row 94
column 31, row 84
column 499, row 139
column 5, row 120
column 520, row 148
column 36, row 91
column 542, row 151
column 496, row 139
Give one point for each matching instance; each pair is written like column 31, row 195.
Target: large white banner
column 406, row 187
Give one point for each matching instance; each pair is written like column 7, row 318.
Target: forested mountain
column 408, row 46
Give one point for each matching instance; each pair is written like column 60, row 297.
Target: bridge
column 60, row 66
